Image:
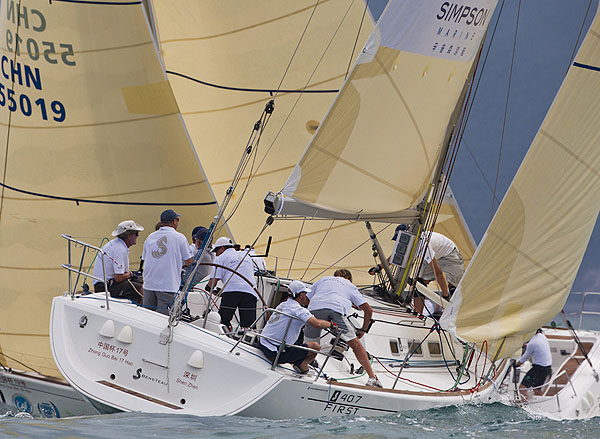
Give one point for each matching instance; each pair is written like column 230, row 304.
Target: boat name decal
column 111, row 352
column 12, row 381
column 139, row 374
column 469, row 15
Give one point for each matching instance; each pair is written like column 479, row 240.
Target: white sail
column 523, row 270
column 382, row 138
column 86, row 113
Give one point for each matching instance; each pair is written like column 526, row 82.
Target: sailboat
column 128, row 358
column 92, row 136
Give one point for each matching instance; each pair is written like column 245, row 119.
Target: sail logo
column 458, row 13
column 162, row 248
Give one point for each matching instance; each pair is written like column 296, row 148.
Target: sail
column 382, row 138
column 86, row 113
column 523, row 270
column 235, row 49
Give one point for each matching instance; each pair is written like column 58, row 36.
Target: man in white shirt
column 239, row 288
column 331, row 299
column 275, row 330
column 166, row 251
column 442, row 263
column 121, row 282
column 539, row 349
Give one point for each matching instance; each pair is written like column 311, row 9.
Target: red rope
column 406, row 379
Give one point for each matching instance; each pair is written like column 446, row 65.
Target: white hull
column 137, row 373
column 573, row 392
column 42, row 396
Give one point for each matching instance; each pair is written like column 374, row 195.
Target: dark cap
column 199, row 233
column 169, row 216
column 400, row 228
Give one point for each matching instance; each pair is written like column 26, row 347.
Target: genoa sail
column 91, row 135
column 382, row 138
column 524, row 268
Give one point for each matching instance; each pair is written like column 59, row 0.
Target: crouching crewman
column 277, row 324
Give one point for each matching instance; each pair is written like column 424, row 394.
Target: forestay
column 523, row 270
column 86, row 113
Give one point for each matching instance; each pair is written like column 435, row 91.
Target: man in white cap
column 166, row 252
column 115, row 269
column 239, row 291
column 274, row 331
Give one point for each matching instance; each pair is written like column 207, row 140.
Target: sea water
column 467, row 421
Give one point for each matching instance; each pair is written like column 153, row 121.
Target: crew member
column 275, row 330
column 201, row 271
column 331, row 299
column 166, row 251
column 122, row 283
column 239, row 291
column 539, row 349
column 442, row 263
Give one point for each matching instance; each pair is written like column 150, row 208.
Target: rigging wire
column 296, row 247
column 512, row 61
column 578, row 37
column 362, row 20
column 297, row 46
column 317, row 250
column 284, row 123
column 8, row 128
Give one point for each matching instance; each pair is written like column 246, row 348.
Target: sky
column 547, row 35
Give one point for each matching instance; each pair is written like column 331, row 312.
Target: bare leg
column 310, row 356
column 361, row 356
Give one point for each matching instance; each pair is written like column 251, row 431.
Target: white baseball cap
column 223, row 241
column 296, row 287
column 127, row 226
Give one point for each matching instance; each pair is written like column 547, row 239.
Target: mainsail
column 88, row 120
column 524, row 268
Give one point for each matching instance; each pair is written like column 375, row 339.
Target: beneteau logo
column 139, row 374
column 459, row 13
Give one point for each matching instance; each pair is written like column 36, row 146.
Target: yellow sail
column 382, row 138
column 523, row 270
column 86, row 113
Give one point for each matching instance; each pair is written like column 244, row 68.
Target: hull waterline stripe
column 139, row 395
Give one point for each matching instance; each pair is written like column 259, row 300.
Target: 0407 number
column 22, row 102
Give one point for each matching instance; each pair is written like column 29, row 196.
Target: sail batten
column 524, row 268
